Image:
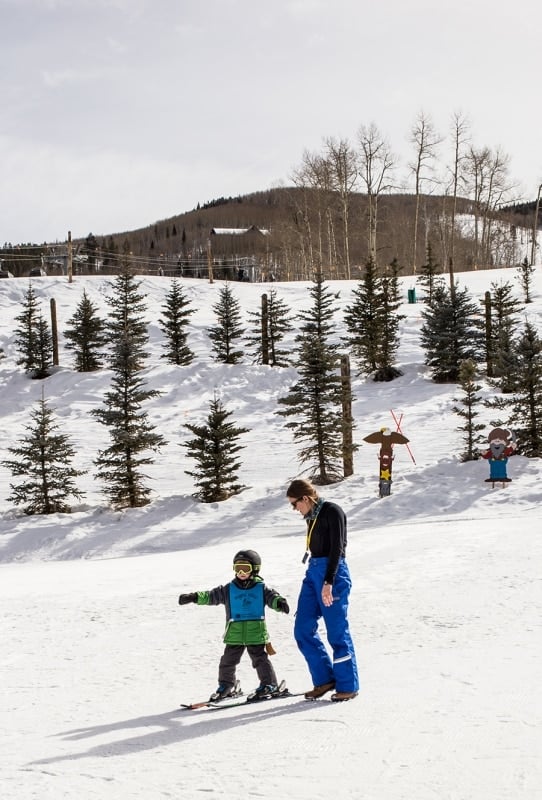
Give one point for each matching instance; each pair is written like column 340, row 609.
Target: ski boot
column 226, row 690
column 267, row 691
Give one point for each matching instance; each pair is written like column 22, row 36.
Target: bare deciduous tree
column 376, row 163
column 460, row 128
column 425, row 139
column 314, row 177
column 343, row 170
column 490, row 184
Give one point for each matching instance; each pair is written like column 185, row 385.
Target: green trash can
column 411, row 295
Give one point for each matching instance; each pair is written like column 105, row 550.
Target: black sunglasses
column 294, row 504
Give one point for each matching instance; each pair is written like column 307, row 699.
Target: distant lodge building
column 237, row 241
column 232, row 254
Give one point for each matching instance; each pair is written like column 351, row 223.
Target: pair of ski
column 239, row 700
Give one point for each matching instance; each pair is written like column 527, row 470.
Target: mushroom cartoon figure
column 502, row 444
column 386, row 438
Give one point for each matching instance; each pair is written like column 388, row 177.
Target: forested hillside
column 298, row 230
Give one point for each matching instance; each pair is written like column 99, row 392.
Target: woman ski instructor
column 324, row 594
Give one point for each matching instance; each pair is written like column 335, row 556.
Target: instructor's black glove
column 184, row 599
column 283, row 606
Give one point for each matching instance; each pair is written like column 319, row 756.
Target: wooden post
column 54, row 332
column 70, row 262
column 347, row 421
column 265, row 331
column 489, row 342
column 452, row 279
column 535, row 226
column 210, row 260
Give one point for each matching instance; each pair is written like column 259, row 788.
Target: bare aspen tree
column 425, row 140
column 498, row 193
column 376, row 163
column 460, row 129
column 313, row 177
column 488, row 172
column 477, row 166
column 302, row 221
column 343, row 170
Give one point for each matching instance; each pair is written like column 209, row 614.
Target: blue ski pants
column 310, row 609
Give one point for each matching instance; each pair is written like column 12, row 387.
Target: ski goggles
column 242, row 566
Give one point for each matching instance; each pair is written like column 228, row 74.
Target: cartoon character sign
column 386, row 439
column 502, row 445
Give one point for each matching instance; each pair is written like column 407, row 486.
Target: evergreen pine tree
column 504, row 310
column 279, row 323
column 390, row 301
column 525, row 274
column 119, row 465
column 429, row 276
column 451, row 333
column 392, row 274
column 126, row 319
column 467, row 409
column 85, row 334
column 43, row 458
column 526, row 416
column 32, row 338
column 44, row 351
column 176, row 316
column 223, row 335
column 363, row 321
column 314, row 403
column 214, row 449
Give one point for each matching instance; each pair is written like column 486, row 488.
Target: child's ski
column 250, row 700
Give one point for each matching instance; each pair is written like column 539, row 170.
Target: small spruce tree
column 44, row 353
column 525, row 275
column 43, row 458
column 467, row 410
column 279, row 323
column 363, row 321
column 126, row 319
column 214, row 448
column 85, row 334
column 389, row 321
column 33, row 338
column 176, row 316
column 314, row 403
column 451, row 333
column 224, row 335
column 526, row 417
column 429, row 275
column 132, row 435
column 504, row 310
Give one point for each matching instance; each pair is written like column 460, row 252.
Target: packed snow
column 97, row 656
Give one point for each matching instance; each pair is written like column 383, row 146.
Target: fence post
column 347, row 421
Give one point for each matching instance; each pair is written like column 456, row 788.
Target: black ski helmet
column 250, row 557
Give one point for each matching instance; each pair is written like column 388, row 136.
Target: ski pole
column 398, row 424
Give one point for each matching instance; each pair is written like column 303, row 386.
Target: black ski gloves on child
column 184, row 599
column 283, row 606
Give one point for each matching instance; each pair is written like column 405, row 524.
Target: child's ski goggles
column 242, row 566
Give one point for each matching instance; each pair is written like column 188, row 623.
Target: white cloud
column 242, row 94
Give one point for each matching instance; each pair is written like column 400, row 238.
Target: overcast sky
column 118, row 113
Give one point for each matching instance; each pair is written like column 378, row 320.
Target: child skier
column 245, row 598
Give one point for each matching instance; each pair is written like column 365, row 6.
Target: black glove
column 184, row 599
column 283, row 606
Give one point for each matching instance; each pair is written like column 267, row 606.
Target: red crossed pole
column 398, row 429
